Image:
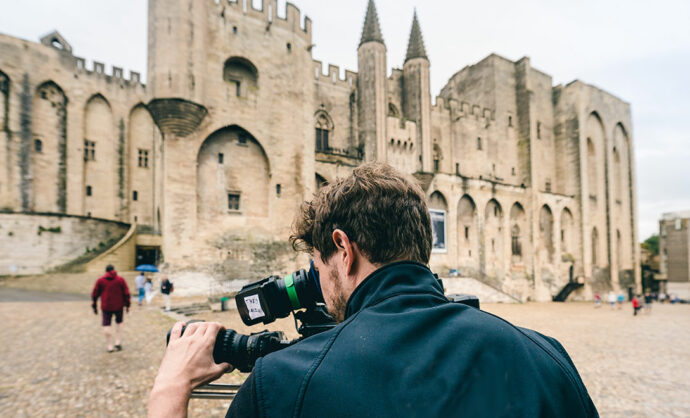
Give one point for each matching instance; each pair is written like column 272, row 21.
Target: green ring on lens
column 292, row 292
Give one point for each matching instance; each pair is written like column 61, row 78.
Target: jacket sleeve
column 96, row 291
column 125, row 291
column 245, row 403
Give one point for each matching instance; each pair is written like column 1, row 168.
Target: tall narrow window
column 135, row 195
column 467, row 232
column 278, row 190
column 88, row 190
column 144, row 158
column 234, row 201
column 510, row 121
column 538, row 130
column 89, row 150
column 220, row 158
column 436, row 166
column 323, row 128
column 516, row 248
column 38, row 145
column 479, row 143
column 457, row 168
column 548, row 185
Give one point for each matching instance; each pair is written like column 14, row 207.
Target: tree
column 651, row 244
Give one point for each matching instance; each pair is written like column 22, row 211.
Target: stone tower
column 417, row 93
column 371, row 88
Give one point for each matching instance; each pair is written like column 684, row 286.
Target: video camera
column 265, row 301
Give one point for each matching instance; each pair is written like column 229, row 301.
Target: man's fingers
column 195, row 327
column 213, row 328
column 176, row 331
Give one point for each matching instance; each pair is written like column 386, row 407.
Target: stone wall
column 34, row 243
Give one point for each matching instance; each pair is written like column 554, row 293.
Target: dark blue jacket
column 405, row 351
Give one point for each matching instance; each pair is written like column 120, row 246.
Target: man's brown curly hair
column 380, row 209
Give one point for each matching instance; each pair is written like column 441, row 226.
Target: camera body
column 271, row 298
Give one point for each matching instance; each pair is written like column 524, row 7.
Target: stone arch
column 324, row 127
column 546, row 247
column 233, row 176
column 439, row 209
column 567, row 234
column 596, row 259
column 468, row 236
column 596, row 140
column 49, row 166
column 101, row 159
column 143, row 134
column 623, row 206
column 518, row 229
column 242, row 75
column 4, row 101
column 493, row 238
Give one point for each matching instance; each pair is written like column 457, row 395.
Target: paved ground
column 54, row 361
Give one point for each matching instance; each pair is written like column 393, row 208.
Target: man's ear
column 345, row 249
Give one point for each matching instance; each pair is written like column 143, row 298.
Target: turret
column 371, row 88
column 417, row 90
column 177, row 56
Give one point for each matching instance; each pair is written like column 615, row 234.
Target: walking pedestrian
column 139, row 282
column 148, row 289
column 612, row 300
column 636, row 304
column 620, row 300
column 114, row 294
column 167, row 288
column 597, row 300
column 648, row 299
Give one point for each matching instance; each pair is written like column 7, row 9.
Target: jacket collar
column 389, row 280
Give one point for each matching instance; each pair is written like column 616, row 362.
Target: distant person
column 167, row 288
column 139, row 282
column 662, row 297
column 648, row 299
column 148, row 289
column 620, row 300
column 612, row 300
column 636, row 304
column 597, row 300
column 114, row 294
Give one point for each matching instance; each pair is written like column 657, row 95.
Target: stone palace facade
column 531, row 185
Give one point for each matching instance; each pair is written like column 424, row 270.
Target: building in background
column 531, row 185
column 674, row 250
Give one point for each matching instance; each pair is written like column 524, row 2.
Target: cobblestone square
column 54, row 361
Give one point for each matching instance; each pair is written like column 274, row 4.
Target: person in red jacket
column 114, row 294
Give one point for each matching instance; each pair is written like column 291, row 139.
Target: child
column 636, row 304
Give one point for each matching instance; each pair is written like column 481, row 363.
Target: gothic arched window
column 324, row 129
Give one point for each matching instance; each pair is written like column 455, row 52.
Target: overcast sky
column 638, row 50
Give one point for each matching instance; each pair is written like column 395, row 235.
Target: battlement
column 333, row 75
column 290, row 18
column 116, row 74
column 462, row 109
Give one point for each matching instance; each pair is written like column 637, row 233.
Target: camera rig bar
column 216, row 391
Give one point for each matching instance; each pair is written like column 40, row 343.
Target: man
column 139, row 282
column 401, row 348
column 166, row 289
column 114, row 294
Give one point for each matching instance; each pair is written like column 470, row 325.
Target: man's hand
column 188, row 363
column 127, row 309
column 95, row 310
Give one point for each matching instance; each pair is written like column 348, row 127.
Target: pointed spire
column 372, row 30
column 415, row 47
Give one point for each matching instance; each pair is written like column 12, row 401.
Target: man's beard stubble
column 337, row 305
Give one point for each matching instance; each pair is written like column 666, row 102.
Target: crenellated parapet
column 332, row 76
column 462, row 109
column 115, row 75
column 289, row 19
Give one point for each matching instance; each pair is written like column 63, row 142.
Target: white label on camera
column 254, row 306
